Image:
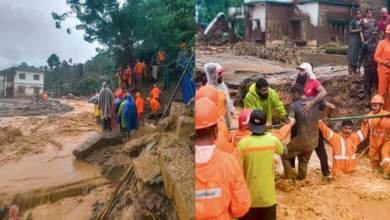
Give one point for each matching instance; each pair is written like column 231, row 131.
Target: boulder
column 97, row 141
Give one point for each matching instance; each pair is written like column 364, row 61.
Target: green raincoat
column 120, row 114
column 254, row 101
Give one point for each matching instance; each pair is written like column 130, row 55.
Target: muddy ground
column 359, row 195
column 40, row 174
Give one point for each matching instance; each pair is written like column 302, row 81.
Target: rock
column 180, row 109
column 4, row 212
column 185, row 129
column 29, row 216
column 140, row 142
column 147, row 169
column 177, row 167
column 97, row 141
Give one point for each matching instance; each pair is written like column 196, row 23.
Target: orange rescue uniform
column 344, row 148
column 139, row 103
column 155, row 92
column 155, row 106
column 220, row 188
column 382, row 55
column 221, row 105
column 378, row 138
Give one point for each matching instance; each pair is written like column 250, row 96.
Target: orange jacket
column 220, row 188
column 223, row 130
column 344, row 148
column 382, row 54
column 239, row 134
column 161, row 57
column 221, row 105
column 378, row 136
column 155, row 106
column 155, row 92
column 140, row 69
column 139, row 102
column 224, row 145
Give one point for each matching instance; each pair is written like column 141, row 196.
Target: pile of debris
column 160, row 172
column 10, row 107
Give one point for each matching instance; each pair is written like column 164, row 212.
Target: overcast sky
column 28, row 34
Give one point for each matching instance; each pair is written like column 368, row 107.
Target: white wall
column 29, row 78
column 311, row 9
column 259, row 12
column 27, row 91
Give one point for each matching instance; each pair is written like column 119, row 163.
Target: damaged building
column 303, row 22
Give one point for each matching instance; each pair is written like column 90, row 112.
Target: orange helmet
column 243, row 119
column 207, row 92
column 206, row 113
column 377, row 99
column 388, row 29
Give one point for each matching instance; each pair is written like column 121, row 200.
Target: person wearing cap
column 222, row 140
column 220, row 188
column 260, row 96
column 257, row 151
column 366, row 57
column 344, row 145
column 243, row 128
column 139, row 102
column 314, row 89
column 154, row 105
column 383, row 23
column 306, row 140
column 155, row 92
column 214, row 78
column 382, row 57
column 379, row 137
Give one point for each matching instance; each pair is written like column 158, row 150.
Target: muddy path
column 36, row 162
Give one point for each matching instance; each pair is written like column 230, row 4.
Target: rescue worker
column 106, row 99
column 260, row 96
column 382, row 57
column 120, row 115
column 222, row 140
column 130, row 116
column 155, row 106
column 119, row 75
column 314, row 89
column 44, row 97
column 243, row 128
column 161, row 57
column 155, row 92
column 257, row 151
column 344, row 145
column 366, row 57
column 306, row 140
column 130, row 74
column 385, row 152
column 379, row 137
column 220, row 189
column 214, row 78
column 139, row 103
column 117, row 105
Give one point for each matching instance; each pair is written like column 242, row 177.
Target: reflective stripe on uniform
column 343, row 156
column 386, row 160
column 330, row 136
column 234, row 133
column 342, row 147
column 360, row 135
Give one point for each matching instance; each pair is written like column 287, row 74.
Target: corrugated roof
column 24, row 68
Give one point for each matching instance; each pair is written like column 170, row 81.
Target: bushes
column 333, row 49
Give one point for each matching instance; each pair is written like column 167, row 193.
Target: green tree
column 23, row 64
column 53, row 61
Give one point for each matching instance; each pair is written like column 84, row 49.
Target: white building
column 22, row 81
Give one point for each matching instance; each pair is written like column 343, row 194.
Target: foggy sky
column 28, row 34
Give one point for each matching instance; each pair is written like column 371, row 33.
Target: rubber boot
column 288, row 170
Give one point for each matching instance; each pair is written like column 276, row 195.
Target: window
column 22, row 76
column 36, row 77
column 36, row 90
column 22, row 90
